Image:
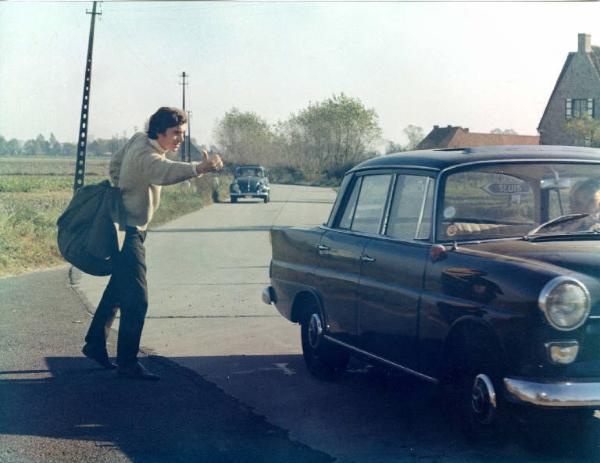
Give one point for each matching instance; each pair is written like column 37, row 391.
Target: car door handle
column 322, row 248
column 366, row 258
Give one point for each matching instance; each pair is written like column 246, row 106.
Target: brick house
column 458, row 137
column 576, row 93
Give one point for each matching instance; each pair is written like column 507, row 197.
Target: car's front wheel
column 473, row 389
column 234, row 199
column 323, row 359
column 266, row 199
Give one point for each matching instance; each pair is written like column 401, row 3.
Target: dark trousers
column 127, row 290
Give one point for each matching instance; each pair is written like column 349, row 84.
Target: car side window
column 346, row 218
column 371, row 203
column 411, row 209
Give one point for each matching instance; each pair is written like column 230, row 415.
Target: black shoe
column 136, row 371
column 98, row 354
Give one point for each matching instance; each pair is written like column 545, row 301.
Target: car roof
column 253, row 166
column 440, row 159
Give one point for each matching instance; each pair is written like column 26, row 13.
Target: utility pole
column 183, row 83
column 189, row 137
column 85, row 106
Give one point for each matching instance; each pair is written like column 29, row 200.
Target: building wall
column 580, row 81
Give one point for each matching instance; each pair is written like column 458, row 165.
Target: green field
column 35, row 191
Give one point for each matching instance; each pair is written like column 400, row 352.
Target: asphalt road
column 234, row 384
column 56, row 406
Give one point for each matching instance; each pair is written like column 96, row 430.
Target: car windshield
column 248, row 172
column 508, row 200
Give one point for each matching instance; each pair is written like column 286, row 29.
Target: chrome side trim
column 559, row 394
column 393, row 167
column 382, row 360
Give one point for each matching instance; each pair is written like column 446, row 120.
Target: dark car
column 250, row 182
column 474, row 269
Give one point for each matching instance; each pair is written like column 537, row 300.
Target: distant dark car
column 250, row 182
column 467, row 268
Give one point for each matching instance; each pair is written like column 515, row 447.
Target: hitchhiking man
column 139, row 169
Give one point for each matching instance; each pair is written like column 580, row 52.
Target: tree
column 29, row 148
column 504, row 132
column 330, row 136
column 585, row 131
column 54, row 146
column 393, row 147
column 13, row 147
column 244, row 137
column 41, row 145
column 69, row 149
column 415, row 135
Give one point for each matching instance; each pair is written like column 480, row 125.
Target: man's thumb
column 204, row 155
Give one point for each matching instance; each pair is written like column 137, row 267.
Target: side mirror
column 437, row 252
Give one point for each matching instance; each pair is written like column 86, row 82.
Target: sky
column 481, row 65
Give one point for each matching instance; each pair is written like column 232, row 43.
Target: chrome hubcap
column 315, row 330
column 483, row 399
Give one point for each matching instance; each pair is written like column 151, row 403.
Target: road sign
column 506, row 188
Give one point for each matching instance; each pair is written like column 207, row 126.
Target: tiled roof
column 457, row 137
column 439, row 137
column 560, row 76
column 595, row 55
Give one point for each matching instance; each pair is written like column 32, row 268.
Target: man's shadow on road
column 181, row 418
column 186, row 418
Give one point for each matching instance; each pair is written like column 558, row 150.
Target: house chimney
column 584, row 43
column 435, row 127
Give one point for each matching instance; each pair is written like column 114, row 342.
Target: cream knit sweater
column 139, row 169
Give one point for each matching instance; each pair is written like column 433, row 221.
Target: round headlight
column 565, row 302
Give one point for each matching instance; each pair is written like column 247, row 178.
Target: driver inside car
column 584, row 198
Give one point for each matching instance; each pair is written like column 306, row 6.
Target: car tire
column 233, row 200
column 472, row 391
column 266, row 199
column 323, row 359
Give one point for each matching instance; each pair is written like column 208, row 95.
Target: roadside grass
column 50, row 165
column 186, row 197
column 31, row 201
column 28, row 230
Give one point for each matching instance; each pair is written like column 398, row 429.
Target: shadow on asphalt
column 181, row 418
column 184, row 418
column 395, row 415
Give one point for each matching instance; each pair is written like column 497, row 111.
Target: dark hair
column 164, row 119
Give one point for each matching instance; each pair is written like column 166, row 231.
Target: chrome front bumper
column 268, row 295
column 556, row 394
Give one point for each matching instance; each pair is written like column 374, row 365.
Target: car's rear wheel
column 323, row 359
